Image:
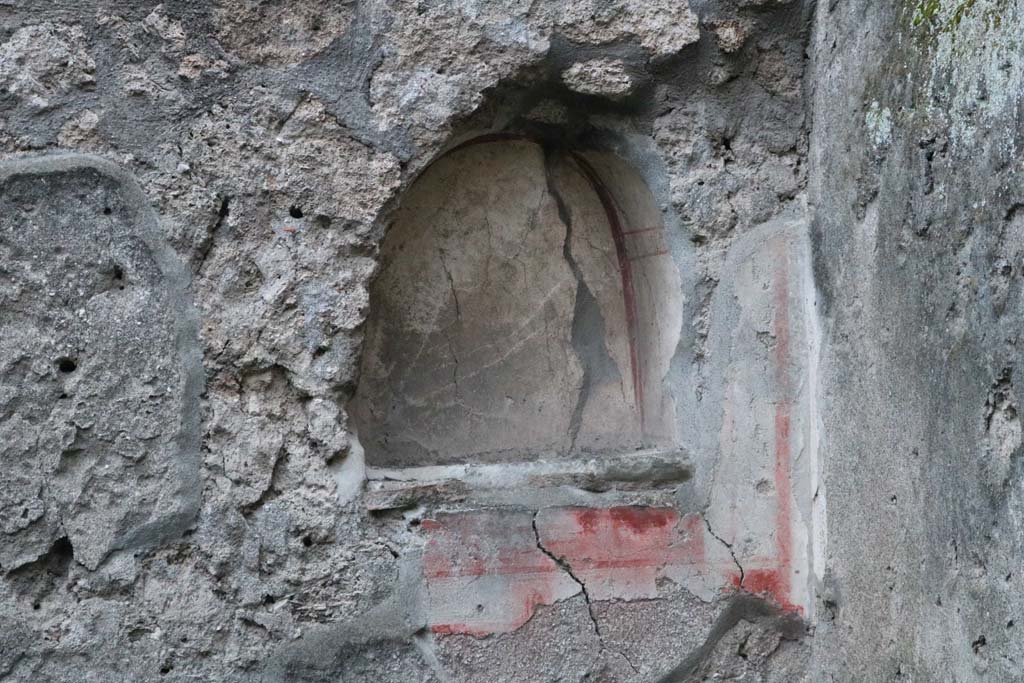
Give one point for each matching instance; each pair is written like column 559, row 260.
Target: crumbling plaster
column 836, row 185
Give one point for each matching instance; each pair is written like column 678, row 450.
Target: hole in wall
column 39, row 579
column 67, row 365
column 117, row 276
column 60, row 556
column 295, row 212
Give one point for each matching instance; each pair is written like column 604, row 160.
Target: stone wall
column 916, row 191
column 480, row 341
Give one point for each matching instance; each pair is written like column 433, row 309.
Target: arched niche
column 526, row 309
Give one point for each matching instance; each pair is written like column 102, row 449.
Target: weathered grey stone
column 662, row 26
column 604, row 77
column 269, row 31
column 100, row 373
column 730, row 35
column 919, row 267
column 41, row 64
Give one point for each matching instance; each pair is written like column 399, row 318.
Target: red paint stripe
column 783, row 442
column 499, row 569
column 776, row 580
column 626, row 273
column 773, row 583
column 490, row 137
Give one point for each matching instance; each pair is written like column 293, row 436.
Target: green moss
column 944, row 16
column 961, row 10
column 925, row 13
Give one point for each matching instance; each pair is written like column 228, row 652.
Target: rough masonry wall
column 252, row 154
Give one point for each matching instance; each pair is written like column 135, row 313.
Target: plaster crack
column 583, row 297
column 728, row 547
column 626, row 658
column 564, row 566
column 424, row 642
column 458, row 317
column 451, row 284
column 455, row 364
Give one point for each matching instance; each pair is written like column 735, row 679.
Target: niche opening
column 526, row 310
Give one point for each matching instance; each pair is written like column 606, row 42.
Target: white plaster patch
column 349, row 472
column 879, row 123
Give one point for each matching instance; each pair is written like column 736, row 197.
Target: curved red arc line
column 626, row 273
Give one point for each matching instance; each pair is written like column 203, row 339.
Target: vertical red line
column 783, row 447
column 626, row 273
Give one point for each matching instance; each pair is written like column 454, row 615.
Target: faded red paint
column 775, row 580
column 607, row 538
column 783, row 443
column 621, row 552
column 485, row 574
column 772, row 576
column 769, row 583
column 638, row 519
column 473, row 545
column 626, row 275
column 642, row 519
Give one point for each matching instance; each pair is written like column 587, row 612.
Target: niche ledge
column 646, row 476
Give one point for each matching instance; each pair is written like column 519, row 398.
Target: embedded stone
column 602, row 77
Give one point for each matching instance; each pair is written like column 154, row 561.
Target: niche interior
column 526, row 309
